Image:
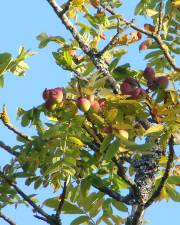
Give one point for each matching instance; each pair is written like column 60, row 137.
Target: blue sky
column 21, row 21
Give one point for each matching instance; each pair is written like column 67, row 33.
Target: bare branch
column 62, row 196
column 115, row 195
column 8, row 149
column 160, row 16
column 7, row 219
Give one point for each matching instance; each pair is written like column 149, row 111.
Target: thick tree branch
column 115, row 195
column 100, row 64
column 7, row 219
column 166, row 173
column 8, row 149
column 160, row 16
column 49, row 219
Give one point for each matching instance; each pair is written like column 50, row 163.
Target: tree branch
column 48, row 218
column 8, row 220
column 115, row 195
column 160, row 16
column 166, row 173
column 62, row 196
column 5, row 119
column 8, row 149
column 97, row 61
column 156, row 37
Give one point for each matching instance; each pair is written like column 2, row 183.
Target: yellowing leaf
column 154, row 129
column 76, row 141
column 111, row 115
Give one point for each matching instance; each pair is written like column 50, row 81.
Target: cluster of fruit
column 154, row 82
column 130, row 86
column 53, row 97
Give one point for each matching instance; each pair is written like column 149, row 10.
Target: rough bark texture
column 146, row 168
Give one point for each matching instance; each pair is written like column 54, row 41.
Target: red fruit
column 162, row 82
column 102, row 103
column 126, row 88
column 46, row 94
column 149, row 73
column 95, row 106
column 53, row 95
column 50, row 106
column 138, row 92
column 56, row 95
column 130, row 80
column 84, row 104
column 152, row 85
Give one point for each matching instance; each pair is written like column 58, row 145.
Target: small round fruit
column 130, row 80
column 138, row 93
column 50, row 106
column 83, row 104
column 126, row 88
column 45, row 94
column 162, row 82
column 95, row 3
column 56, row 95
column 149, row 73
column 95, row 106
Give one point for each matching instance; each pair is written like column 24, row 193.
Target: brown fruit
column 130, row 80
column 138, row 93
column 83, row 104
column 126, row 88
column 162, row 82
column 149, row 73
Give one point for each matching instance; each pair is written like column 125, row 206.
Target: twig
column 8, row 220
column 97, row 61
column 124, row 177
column 115, row 195
column 8, row 149
column 28, row 200
column 5, row 119
column 160, row 16
column 63, row 195
column 156, row 37
column 166, row 173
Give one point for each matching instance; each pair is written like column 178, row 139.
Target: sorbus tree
column 90, row 147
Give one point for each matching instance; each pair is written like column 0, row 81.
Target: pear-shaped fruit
column 95, row 106
column 162, row 82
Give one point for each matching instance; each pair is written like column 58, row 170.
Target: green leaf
column 70, row 208
column 80, row 220
column 174, row 180
column 106, row 142
column 1, row 81
column 113, row 64
column 111, row 151
column 119, row 205
column 52, row 202
column 5, row 59
column 154, row 129
column 174, row 195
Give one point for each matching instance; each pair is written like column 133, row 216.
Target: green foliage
column 89, row 149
